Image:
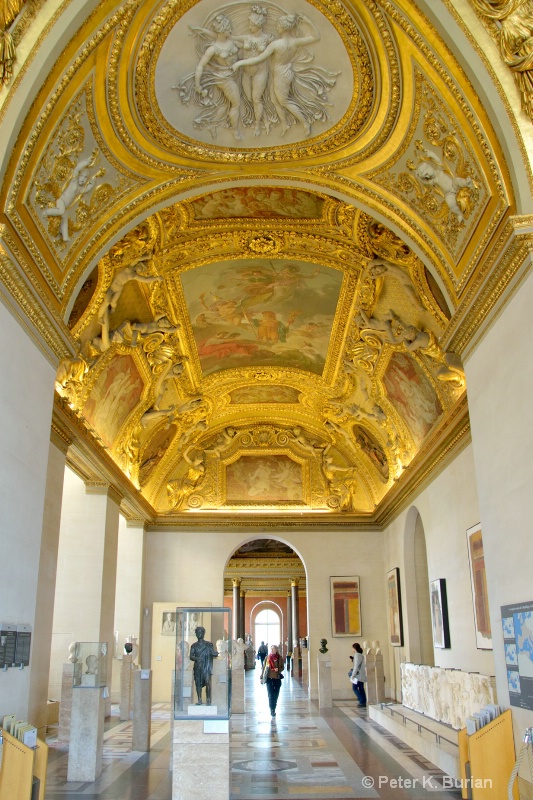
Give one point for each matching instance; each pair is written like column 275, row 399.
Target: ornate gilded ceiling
column 259, row 229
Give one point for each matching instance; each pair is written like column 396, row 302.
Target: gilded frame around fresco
column 345, row 606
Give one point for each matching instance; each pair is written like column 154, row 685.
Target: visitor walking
column 272, row 675
column 358, row 676
column 262, row 652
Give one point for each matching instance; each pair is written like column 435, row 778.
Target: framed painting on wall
column 439, row 613
column 395, row 608
column 478, row 580
column 345, row 606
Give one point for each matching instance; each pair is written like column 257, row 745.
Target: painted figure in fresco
column 202, row 654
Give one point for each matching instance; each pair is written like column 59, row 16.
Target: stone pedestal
column 201, row 760
column 296, row 670
column 219, row 682
column 325, row 695
column 65, row 706
column 142, row 709
column 126, row 687
column 305, row 668
column 86, row 735
column 380, row 679
column 237, row 691
column 370, row 686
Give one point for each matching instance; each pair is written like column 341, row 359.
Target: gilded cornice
column 31, row 309
column 60, row 437
column 500, row 270
column 94, row 457
column 451, row 436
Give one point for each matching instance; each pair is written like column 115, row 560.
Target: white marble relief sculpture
column 447, row 695
column 69, row 192
column 256, row 70
column 78, row 184
column 457, row 191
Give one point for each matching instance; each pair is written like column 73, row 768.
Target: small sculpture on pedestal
column 323, row 646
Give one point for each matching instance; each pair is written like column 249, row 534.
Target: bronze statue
column 202, row 654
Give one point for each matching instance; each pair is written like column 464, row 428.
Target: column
column 294, row 611
column 241, row 613
column 290, row 644
column 296, row 668
column 41, row 679
column 236, row 606
column 26, row 398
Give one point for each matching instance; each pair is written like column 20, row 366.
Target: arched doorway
column 259, row 576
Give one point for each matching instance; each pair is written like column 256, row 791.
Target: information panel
column 517, row 626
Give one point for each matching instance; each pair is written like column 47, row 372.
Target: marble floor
column 303, row 753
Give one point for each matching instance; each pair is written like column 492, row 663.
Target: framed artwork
column 168, row 623
column 345, row 606
column 395, row 608
column 478, row 580
column 439, row 613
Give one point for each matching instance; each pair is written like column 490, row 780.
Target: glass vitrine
column 202, row 687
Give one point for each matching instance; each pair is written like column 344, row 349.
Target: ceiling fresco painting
column 262, row 313
column 269, row 479
column 260, row 230
column 258, row 202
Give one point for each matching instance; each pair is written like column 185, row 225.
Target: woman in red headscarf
column 272, row 675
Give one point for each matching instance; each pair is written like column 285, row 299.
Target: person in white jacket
column 358, row 676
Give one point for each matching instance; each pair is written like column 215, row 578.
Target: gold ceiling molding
column 59, row 437
column 343, row 132
column 451, row 436
column 504, row 263
column 48, row 326
column 92, row 462
column 444, row 183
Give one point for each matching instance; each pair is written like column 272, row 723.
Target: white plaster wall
column 190, row 565
column 26, row 395
column 500, row 381
column 447, row 507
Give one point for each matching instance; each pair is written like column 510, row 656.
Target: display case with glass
column 90, row 664
column 203, row 663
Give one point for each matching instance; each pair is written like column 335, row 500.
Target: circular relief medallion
column 247, row 80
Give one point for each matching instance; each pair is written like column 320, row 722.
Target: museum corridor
column 305, row 753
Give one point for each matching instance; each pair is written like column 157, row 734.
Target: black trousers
column 273, row 687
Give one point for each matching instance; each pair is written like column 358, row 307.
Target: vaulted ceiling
column 265, row 273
